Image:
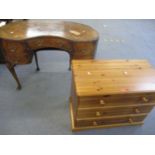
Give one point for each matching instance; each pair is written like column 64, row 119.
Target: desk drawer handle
column 16, row 62
column 137, row 111
column 95, row 123
column 13, row 50
column 98, row 113
column 145, row 99
column 130, row 120
column 102, row 102
column 39, row 43
column 62, row 46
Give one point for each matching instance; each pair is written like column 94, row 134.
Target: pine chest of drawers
column 110, row 93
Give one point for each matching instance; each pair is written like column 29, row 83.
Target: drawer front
column 116, row 100
column 117, row 111
column 130, row 120
column 50, row 42
column 17, row 52
column 84, row 50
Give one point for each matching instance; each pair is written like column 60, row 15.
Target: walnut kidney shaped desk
column 20, row 41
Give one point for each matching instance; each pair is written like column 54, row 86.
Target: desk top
column 98, row 77
column 22, row 30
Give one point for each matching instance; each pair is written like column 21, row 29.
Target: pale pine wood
column 96, row 107
column 111, row 117
column 94, row 77
column 117, row 100
column 116, row 111
column 77, row 128
column 109, row 64
column 110, row 93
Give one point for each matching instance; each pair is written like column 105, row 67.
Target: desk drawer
column 49, row 42
column 116, row 100
column 116, row 111
column 131, row 120
column 17, row 52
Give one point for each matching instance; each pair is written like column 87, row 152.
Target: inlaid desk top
column 36, row 28
column 21, row 40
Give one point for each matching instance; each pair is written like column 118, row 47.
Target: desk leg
column 70, row 61
column 13, row 72
column 36, row 60
column 69, row 66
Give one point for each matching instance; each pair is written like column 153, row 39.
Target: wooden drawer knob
column 95, row 123
column 89, row 73
column 62, row 46
column 145, row 99
column 102, row 102
column 130, row 120
column 98, row 113
column 125, row 73
column 137, row 111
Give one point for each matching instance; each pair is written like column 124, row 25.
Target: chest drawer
column 110, row 121
column 113, row 111
column 116, row 100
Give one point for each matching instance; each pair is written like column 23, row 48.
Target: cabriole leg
column 13, row 72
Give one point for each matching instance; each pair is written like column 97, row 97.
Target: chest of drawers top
column 112, row 77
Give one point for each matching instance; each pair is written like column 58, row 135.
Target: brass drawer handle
column 13, row 50
column 62, row 46
column 102, row 102
column 95, row 123
column 16, row 62
column 137, row 111
column 98, row 113
column 145, row 99
column 39, row 43
column 130, row 120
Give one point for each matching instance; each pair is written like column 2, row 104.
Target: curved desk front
column 20, row 41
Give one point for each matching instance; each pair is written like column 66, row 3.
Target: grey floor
column 42, row 106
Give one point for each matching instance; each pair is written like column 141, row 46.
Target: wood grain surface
column 94, row 78
column 110, row 93
column 37, row 28
column 20, row 40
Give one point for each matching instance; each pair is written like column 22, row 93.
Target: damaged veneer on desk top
column 21, row 40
